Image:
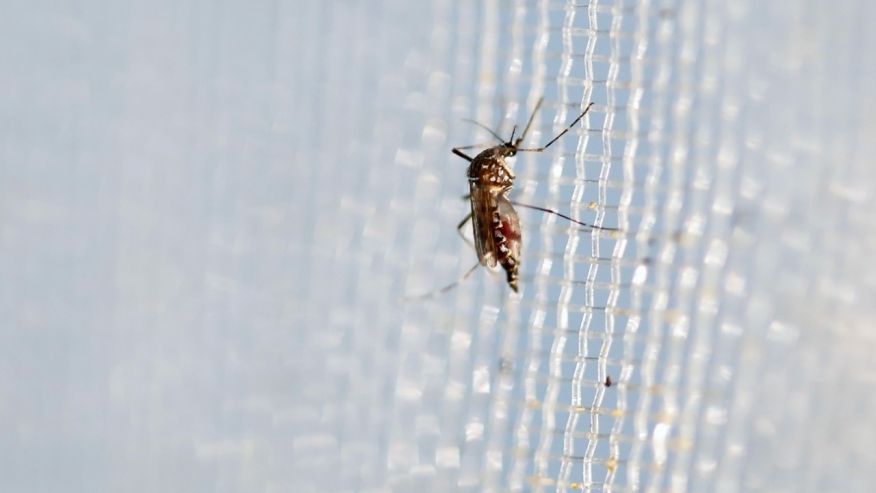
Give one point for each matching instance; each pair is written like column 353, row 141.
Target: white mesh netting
column 209, row 217
column 730, row 140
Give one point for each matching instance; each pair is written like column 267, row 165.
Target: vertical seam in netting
column 615, row 36
column 605, row 172
column 569, row 456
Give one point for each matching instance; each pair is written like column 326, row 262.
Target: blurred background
column 211, row 215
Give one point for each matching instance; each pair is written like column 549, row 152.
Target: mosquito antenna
column 513, row 131
column 529, row 123
column 437, row 292
column 539, row 149
column 488, row 129
column 552, row 211
column 474, row 146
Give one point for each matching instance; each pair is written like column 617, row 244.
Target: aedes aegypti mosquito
column 495, row 225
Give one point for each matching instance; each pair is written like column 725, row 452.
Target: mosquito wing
column 483, row 208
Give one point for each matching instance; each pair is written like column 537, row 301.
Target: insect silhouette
column 495, row 224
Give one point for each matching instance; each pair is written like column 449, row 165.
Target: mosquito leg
column 558, row 213
column 539, row 149
column 432, row 294
column 459, row 230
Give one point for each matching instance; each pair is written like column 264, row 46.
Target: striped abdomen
column 506, row 238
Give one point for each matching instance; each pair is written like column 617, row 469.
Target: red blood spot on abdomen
column 510, row 228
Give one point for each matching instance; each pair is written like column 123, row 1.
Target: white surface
column 209, row 212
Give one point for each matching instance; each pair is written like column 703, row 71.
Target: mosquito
column 495, row 224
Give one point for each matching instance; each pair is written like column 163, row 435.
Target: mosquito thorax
column 489, row 169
